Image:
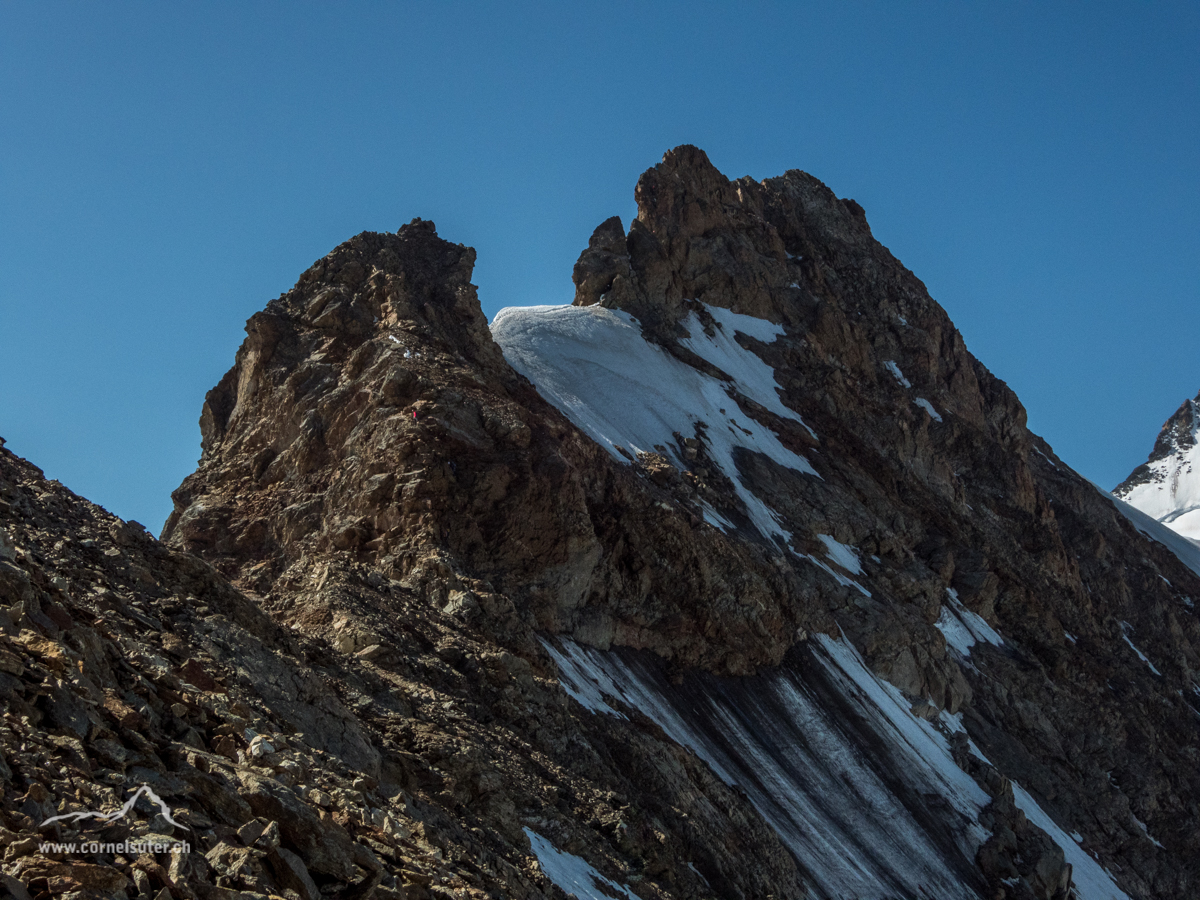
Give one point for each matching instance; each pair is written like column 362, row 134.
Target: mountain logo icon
column 110, row 817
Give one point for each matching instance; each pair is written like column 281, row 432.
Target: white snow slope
column 1184, row 548
column 625, row 392
column 962, row 628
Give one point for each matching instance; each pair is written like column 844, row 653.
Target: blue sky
column 167, row 168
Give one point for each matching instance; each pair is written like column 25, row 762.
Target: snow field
column 1173, row 496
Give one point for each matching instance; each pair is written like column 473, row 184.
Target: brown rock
column 292, row 874
column 324, row 845
column 195, row 673
column 103, row 879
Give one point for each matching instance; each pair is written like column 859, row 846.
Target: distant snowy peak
column 1167, row 486
column 1179, row 433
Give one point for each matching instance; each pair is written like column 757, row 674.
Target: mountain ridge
column 913, row 436
column 684, row 587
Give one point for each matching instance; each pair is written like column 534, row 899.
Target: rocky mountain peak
column 789, row 251
column 1176, row 437
column 378, row 280
column 751, row 476
column 370, row 282
column 740, row 245
column 1179, row 432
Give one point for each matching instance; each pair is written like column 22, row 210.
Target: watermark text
column 126, row 848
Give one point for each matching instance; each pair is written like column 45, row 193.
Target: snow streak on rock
column 929, row 408
column 897, row 374
column 1089, row 879
column 1125, row 629
column 581, row 679
column 575, row 876
column 963, row 628
column 834, row 574
column 817, row 745
column 752, row 377
column 842, row 554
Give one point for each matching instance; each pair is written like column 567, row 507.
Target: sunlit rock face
column 736, row 577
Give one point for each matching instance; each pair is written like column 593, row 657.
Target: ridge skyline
column 1050, row 207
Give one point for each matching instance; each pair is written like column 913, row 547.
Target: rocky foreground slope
column 740, row 577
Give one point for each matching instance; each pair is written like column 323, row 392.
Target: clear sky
column 168, row 168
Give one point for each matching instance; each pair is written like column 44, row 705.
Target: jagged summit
column 1178, row 434
column 372, row 280
column 1167, row 486
column 741, row 245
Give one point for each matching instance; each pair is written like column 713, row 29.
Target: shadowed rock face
column 421, row 521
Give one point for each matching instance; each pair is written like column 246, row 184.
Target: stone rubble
column 297, row 770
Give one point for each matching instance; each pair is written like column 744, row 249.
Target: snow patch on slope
column 574, row 875
column 595, row 366
column 835, row 574
column 581, row 679
column 842, row 554
column 928, row 407
column 753, row 377
column 897, row 374
column 962, row 628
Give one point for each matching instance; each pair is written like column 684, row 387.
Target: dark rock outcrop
column 395, row 441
